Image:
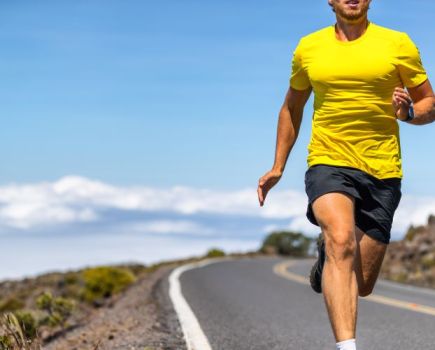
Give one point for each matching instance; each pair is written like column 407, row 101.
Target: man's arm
column 289, row 122
column 424, row 103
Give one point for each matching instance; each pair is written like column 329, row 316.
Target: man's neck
column 348, row 31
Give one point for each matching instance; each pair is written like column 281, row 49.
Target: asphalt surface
column 243, row 305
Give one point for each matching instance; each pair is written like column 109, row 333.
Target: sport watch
column 410, row 114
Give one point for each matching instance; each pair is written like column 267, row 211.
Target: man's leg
column 368, row 261
column 335, row 214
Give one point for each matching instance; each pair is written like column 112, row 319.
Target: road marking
column 192, row 331
column 281, row 270
column 408, row 288
column 401, row 304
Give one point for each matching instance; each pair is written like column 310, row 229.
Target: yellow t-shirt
column 353, row 82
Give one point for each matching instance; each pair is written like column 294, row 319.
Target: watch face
column 411, row 111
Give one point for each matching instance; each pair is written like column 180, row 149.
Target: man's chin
column 352, row 15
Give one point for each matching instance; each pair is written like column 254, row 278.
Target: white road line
column 192, row 331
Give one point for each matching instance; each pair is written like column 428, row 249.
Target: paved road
column 245, row 305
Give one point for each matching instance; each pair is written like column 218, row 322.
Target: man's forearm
column 288, row 128
column 424, row 111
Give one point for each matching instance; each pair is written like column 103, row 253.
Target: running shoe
column 316, row 270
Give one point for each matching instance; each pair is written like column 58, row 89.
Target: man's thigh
column 334, row 212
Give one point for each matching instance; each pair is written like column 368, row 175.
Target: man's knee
column 340, row 244
column 335, row 214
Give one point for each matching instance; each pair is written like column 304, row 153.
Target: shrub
column 5, row 342
column 286, row 243
column 11, row 304
column 136, row 269
column 413, row 231
column 400, row 277
column 214, row 253
column 105, row 281
column 58, row 309
column 28, row 324
column 428, row 262
column 71, row 278
column 18, row 331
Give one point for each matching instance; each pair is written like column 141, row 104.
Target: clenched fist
column 401, row 103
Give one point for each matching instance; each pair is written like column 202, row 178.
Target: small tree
column 215, row 253
column 287, row 243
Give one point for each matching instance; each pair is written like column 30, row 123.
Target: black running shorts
column 376, row 200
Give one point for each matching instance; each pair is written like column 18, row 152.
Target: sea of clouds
column 77, row 221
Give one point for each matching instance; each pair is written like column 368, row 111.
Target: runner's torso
column 354, row 123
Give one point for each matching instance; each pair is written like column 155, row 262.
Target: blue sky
column 130, row 122
column 167, row 92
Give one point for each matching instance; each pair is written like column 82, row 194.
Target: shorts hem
column 310, row 213
column 376, row 234
column 354, row 194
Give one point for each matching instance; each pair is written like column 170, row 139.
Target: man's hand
column 266, row 182
column 401, row 103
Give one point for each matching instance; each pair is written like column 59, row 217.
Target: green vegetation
column 57, row 301
column 18, row 331
column 103, row 282
column 215, row 253
column 428, row 262
column 412, row 232
column 286, row 243
column 28, row 324
column 57, row 309
column 400, row 277
column 11, row 304
column 5, row 342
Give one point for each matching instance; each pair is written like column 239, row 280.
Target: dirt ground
column 142, row 318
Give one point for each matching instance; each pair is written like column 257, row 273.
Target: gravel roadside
column 142, row 318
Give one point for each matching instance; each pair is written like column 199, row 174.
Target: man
column 358, row 71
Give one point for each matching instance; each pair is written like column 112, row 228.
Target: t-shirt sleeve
column 410, row 67
column 299, row 79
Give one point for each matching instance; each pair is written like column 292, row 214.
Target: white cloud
column 302, row 224
column 413, row 211
column 24, row 206
column 170, row 226
column 75, row 199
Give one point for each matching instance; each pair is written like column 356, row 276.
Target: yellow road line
column 281, row 269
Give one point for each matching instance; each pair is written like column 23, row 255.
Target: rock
column 100, row 302
column 412, row 260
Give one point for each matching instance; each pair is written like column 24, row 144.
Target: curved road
column 266, row 304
